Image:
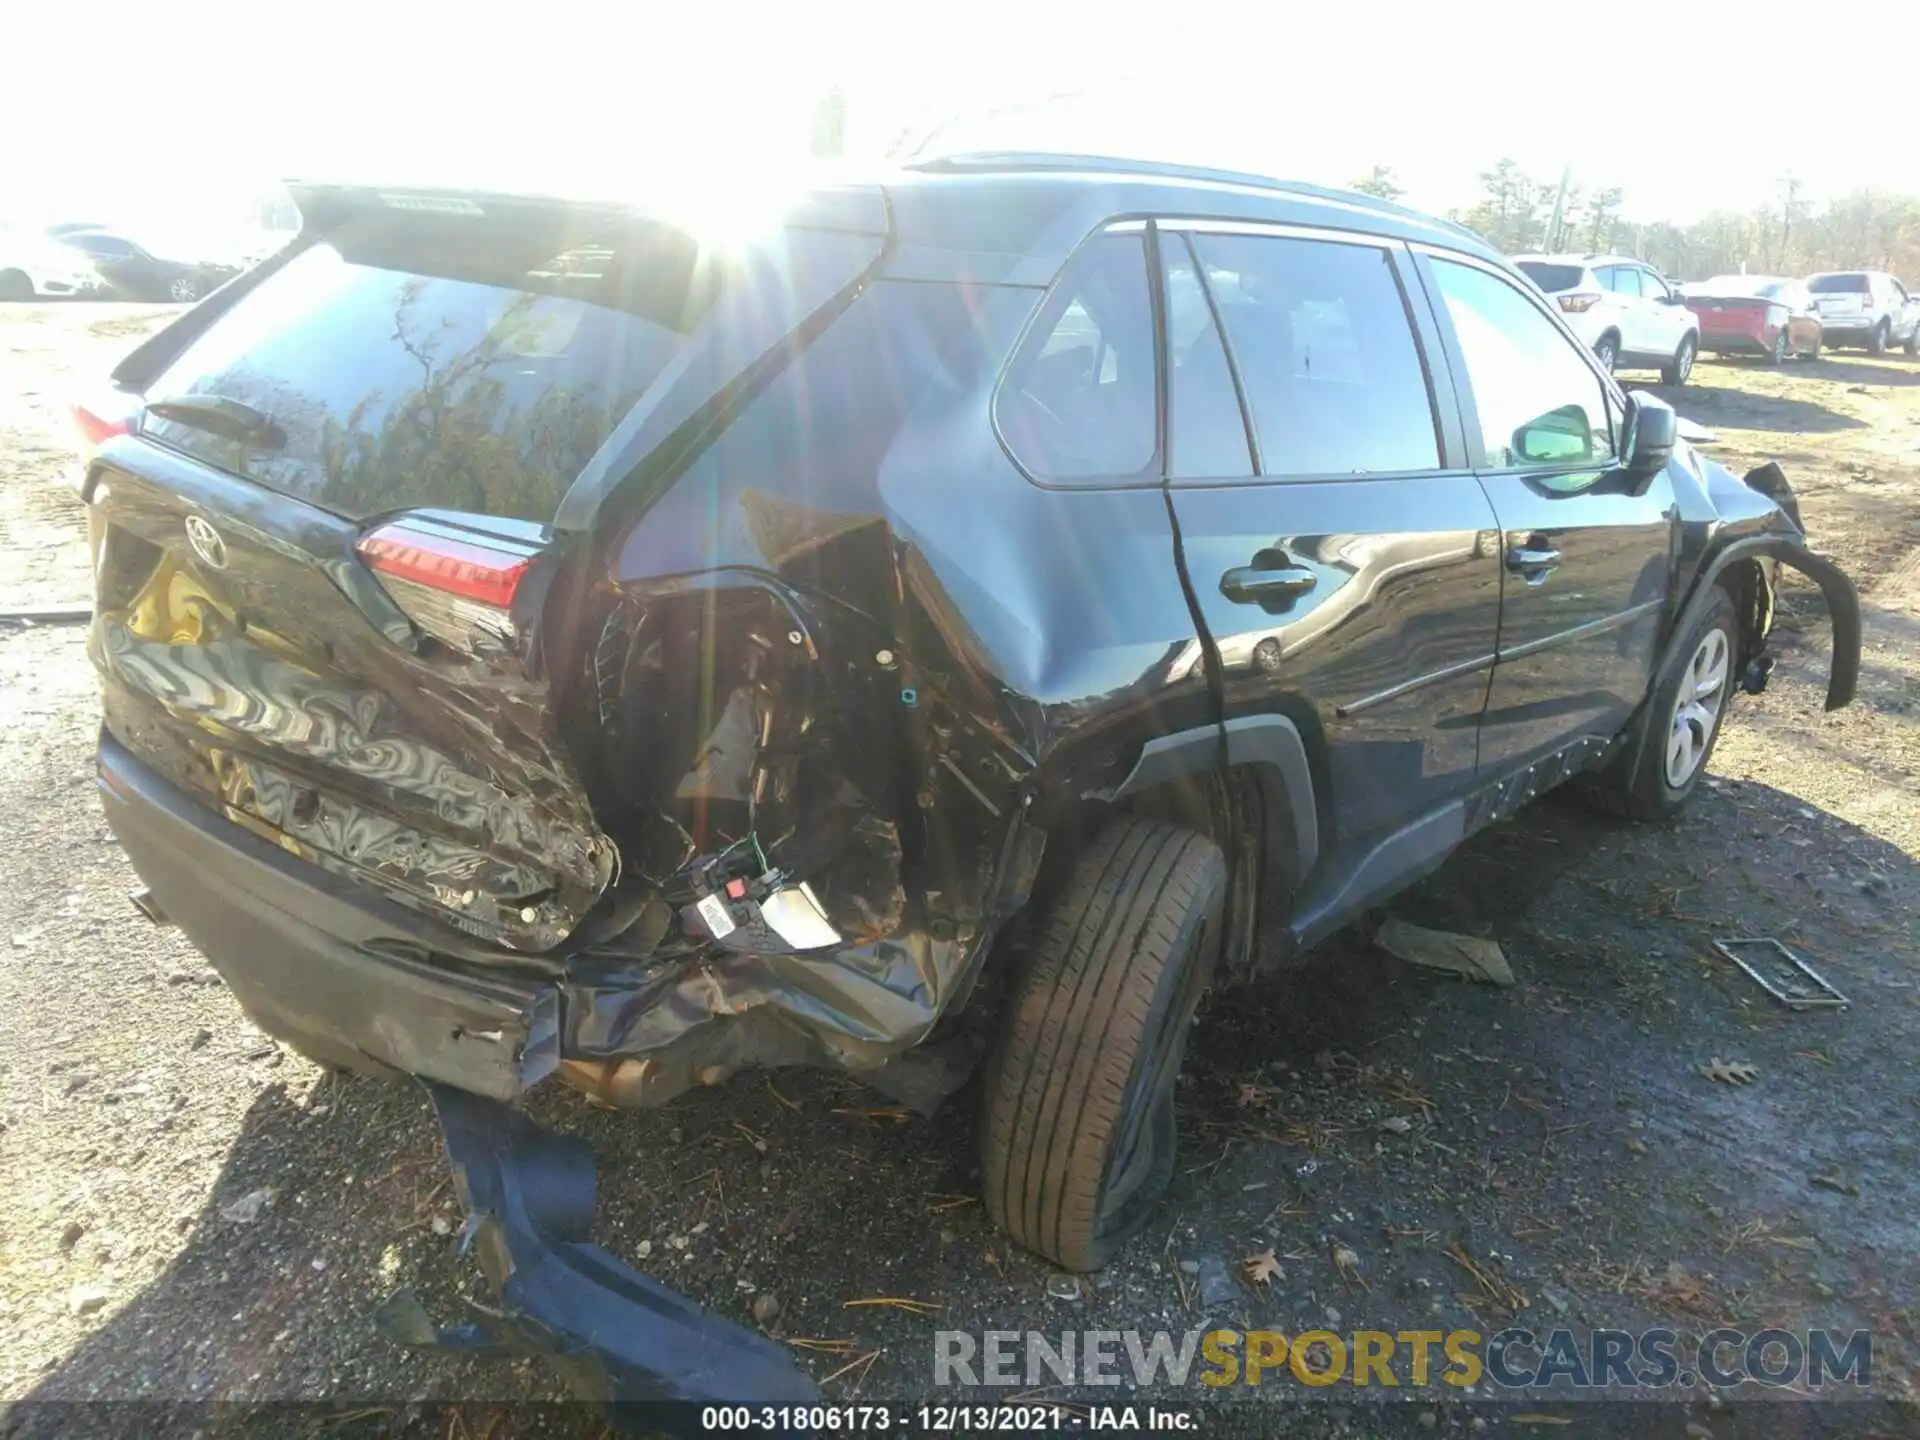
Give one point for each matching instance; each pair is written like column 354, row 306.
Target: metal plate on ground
column 1781, row 973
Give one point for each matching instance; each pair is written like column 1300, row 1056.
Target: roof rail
column 988, row 162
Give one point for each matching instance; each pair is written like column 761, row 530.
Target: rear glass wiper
column 219, row 415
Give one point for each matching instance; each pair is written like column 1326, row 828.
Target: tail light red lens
column 1578, row 302
column 456, row 585
column 97, row 420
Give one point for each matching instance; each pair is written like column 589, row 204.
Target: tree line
column 1517, row 212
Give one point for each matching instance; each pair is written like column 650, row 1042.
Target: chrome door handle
column 1254, row 584
column 1534, row 562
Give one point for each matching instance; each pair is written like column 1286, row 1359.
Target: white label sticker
column 713, row 910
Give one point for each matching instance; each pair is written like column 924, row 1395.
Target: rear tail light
column 97, row 420
column 456, row 584
column 1579, row 301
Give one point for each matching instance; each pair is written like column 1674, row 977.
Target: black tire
column 1077, row 1135
column 183, row 289
column 1814, row 353
column 1912, row 347
column 1878, row 341
column 1778, row 354
column 15, row 286
column 1678, row 370
column 1637, row 784
column 1607, row 351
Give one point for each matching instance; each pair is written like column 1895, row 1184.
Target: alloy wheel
column 1683, row 362
column 1696, row 708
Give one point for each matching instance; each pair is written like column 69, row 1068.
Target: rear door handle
column 1261, row 584
column 1534, row 561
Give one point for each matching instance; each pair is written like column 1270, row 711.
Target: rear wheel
column 1814, row 353
column 1912, row 347
column 1607, row 351
column 1878, row 341
column 1077, row 1140
column 1676, row 370
column 1777, row 353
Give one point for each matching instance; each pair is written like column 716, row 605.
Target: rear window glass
column 456, row 362
column 1838, row 285
column 1550, row 278
column 1078, row 400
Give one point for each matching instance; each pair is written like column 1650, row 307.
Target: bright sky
column 1690, row 106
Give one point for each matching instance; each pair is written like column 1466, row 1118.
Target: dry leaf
column 1264, row 1268
column 1730, row 1072
column 1252, row 1094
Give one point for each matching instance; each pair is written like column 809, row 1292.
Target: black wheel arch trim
column 1273, row 741
column 1843, row 605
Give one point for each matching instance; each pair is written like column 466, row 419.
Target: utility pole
column 1559, row 208
column 1789, row 197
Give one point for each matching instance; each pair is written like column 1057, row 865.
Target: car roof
column 1009, row 217
column 1587, row 260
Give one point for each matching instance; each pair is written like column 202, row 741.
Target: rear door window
column 1855, row 284
column 1326, row 353
column 1208, row 431
column 1078, row 401
column 447, row 361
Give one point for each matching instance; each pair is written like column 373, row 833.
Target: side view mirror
column 1652, row 428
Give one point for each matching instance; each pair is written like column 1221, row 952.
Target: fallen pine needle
column 898, row 1114
column 792, row 1105
column 895, row 1302
column 1529, row 1417
column 824, row 1347
column 953, row 1202
column 864, row 1362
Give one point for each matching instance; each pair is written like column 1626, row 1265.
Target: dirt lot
column 1558, row 1135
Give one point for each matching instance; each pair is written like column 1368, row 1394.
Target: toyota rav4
column 540, row 642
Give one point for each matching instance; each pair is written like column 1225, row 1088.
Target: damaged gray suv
column 972, row 618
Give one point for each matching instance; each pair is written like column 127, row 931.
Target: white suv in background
column 1622, row 309
column 1866, row 307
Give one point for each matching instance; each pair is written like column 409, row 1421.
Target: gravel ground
column 193, row 1213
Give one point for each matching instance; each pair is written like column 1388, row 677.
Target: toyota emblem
column 206, row 542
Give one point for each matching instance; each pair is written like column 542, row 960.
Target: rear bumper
column 320, row 962
column 1733, row 342
column 349, row 977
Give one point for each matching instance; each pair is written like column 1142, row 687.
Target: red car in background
column 1755, row 315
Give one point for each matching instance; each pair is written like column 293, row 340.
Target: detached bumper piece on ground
column 620, row 1337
